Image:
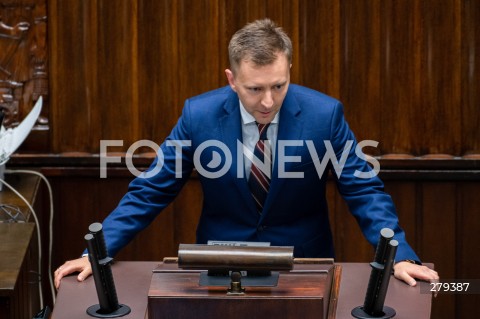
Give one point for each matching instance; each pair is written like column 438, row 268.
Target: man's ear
column 231, row 79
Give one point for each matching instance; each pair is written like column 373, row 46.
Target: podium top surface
column 132, row 280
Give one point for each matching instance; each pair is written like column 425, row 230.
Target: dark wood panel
column 404, row 195
column 116, row 48
column 400, row 62
column 349, row 242
column 319, row 41
column 68, row 36
column 407, row 74
column 159, row 101
column 439, row 237
column 360, row 68
column 468, row 224
column 470, row 98
column 177, row 294
column 187, row 207
column 198, row 66
column 439, row 102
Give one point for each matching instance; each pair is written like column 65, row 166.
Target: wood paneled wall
column 407, row 72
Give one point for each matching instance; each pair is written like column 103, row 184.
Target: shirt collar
column 248, row 118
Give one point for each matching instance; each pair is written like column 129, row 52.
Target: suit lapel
column 232, row 133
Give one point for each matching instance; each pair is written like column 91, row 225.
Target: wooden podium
column 133, row 280
column 307, row 291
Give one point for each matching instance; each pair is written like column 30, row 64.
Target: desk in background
column 19, row 294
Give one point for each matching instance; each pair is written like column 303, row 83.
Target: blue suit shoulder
column 306, row 95
column 216, row 96
column 315, row 106
column 202, row 113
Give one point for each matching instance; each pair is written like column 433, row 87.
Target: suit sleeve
column 153, row 190
column 370, row 205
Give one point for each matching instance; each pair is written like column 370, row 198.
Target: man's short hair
column 260, row 42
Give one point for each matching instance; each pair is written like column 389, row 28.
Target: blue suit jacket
column 295, row 212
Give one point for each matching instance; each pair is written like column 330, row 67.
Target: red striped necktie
column 259, row 180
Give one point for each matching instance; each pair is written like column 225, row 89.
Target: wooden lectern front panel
column 303, row 292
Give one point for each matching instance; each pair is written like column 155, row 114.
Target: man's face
column 261, row 88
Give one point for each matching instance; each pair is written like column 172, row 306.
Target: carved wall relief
column 23, row 60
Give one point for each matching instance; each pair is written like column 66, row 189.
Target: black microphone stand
column 373, row 306
column 108, row 306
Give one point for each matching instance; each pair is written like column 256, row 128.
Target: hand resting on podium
column 81, row 265
column 408, row 272
column 403, row 270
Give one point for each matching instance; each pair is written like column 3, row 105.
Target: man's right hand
column 81, row 265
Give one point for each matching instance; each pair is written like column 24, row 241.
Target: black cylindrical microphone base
column 360, row 314
column 94, row 311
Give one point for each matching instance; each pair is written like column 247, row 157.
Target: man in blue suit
column 217, row 135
